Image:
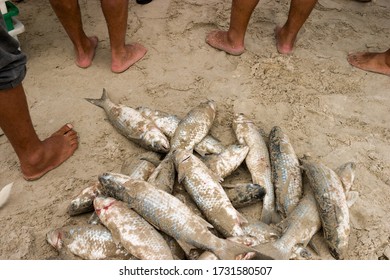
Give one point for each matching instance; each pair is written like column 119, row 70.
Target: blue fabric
column 12, row 60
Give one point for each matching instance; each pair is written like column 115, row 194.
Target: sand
column 330, row 110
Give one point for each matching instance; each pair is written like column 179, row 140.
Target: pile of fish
column 172, row 203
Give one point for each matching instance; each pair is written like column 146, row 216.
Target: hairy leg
column 68, row 13
column 122, row 55
column 36, row 157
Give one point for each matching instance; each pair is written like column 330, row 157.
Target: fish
column 261, row 231
column 298, row 228
column 83, row 202
column 5, row 193
column 90, row 242
column 286, row 172
column 168, row 123
column 141, row 167
column 170, row 215
column 163, row 177
column 258, row 163
column 133, row 125
column 346, row 173
column 130, row 230
column 332, row 206
column 193, row 127
column 244, row 194
column 208, row 194
column 228, row 161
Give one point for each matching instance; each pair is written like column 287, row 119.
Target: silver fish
column 258, row 163
column 142, row 167
column 208, row 194
column 83, row 202
column 168, row 123
column 133, row 125
column 332, row 206
column 261, row 231
column 194, row 126
column 128, row 228
column 286, row 172
column 171, row 216
column 242, row 194
column 91, row 242
column 228, row 161
column 163, row 177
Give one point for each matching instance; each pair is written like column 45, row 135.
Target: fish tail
column 4, row 194
column 101, row 101
column 269, row 249
column 270, row 216
column 230, row 250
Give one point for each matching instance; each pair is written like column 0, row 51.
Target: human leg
column 122, row 55
column 232, row 41
column 287, row 34
column 36, row 157
column 69, row 14
column 377, row 62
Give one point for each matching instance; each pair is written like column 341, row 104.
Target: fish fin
column 270, row 217
column 352, row 196
column 268, row 249
column 152, row 161
column 231, row 250
column 5, row 193
column 241, row 219
column 101, row 101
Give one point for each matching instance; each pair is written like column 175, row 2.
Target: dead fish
column 298, row 228
column 168, row 123
column 141, row 167
column 133, row 125
column 163, row 177
column 90, row 242
column 130, row 230
column 83, row 202
column 346, row 173
column 332, row 206
column 286, row 172
column 208, row 194
column 228, row 161
column 261, row 231
column 170, row 215
column 258, row 163
column 5, row 193
column 242, row 194
column 193, row 127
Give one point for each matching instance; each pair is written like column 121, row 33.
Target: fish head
column 181, row 158
column 55, row 238
column 102, row 206
column 157, row 140
column 112, row 183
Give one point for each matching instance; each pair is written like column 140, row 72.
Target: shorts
column 12, row 60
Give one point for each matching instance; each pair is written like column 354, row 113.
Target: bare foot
column 84, row 57
column 284, row 45
column 133, row 53
column 220, row 40
column 368, row 61
column 54, row 151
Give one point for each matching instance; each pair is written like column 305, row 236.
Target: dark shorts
column 12, row 60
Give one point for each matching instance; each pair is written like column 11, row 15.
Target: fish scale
column 332, row 206
column 286, row 172
column 135, row 234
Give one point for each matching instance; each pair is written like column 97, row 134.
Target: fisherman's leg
column 287, row 34
column 69, row 14
column 371, row 61
column 232, row 41
column 36, row 157
column 122, row 55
